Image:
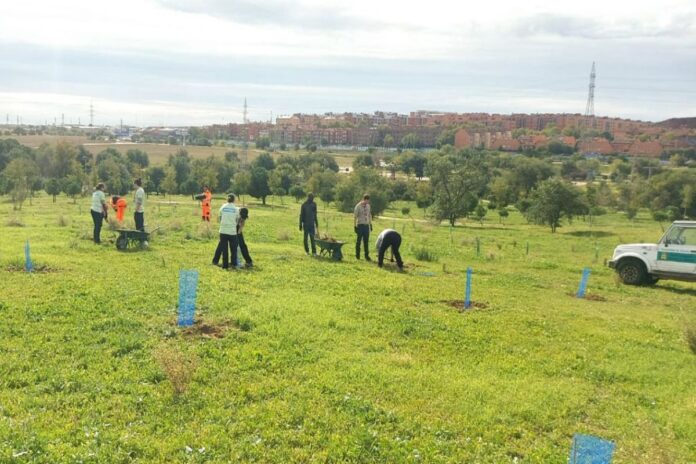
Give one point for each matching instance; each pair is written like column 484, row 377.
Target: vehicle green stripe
column 676, row 257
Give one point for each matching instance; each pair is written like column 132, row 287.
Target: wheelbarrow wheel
column 121, row 243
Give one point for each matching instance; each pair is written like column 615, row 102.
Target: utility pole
column 62, row 119
column 91, row 114
column 589, row 118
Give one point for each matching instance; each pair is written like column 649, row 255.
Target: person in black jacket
column 389, row 238
column 309, row 222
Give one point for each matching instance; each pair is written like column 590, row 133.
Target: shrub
column 423, row 254
column 177, row 366
column 14, row 222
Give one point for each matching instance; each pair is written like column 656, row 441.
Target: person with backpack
column 243, row 216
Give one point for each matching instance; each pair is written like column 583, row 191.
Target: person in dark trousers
column 228, row 233
column 99, row 210
column 309, row 222
column 243, row 216
column 362, row 220
column 139, row 215
column 389, row 238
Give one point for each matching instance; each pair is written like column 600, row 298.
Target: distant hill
column 675, row 123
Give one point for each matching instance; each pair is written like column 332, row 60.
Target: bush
column 423, row 254
column 177, row 366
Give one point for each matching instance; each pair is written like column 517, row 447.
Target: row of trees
column 447, row 184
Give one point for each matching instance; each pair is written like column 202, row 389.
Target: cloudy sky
column 180, row 62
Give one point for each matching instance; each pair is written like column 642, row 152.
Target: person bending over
column 386, row 239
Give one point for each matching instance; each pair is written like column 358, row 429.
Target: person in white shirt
column 139, row 215
column 362, row 220
column 98, row 210
column 386, row 239
column 228, row 217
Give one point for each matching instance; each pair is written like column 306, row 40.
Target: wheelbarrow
column 330, row 248
column 132, row 238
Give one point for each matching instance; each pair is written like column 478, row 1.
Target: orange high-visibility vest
column 205, row 203
column 120, row 208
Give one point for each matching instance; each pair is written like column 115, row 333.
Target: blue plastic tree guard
column 188, row 283
column 587, row 449
column 583, row 283
column 28, row 265
column 467, row 295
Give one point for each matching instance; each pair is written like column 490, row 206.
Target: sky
column 193, row 62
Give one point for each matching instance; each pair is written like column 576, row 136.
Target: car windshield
column 680, row 236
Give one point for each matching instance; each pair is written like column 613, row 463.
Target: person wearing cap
column 309, row 222
column 99, row 210
column 119, row 204
column 243, row 216
column 362, row 220
column 386, row 239
column 139, row 215
column 228, row 216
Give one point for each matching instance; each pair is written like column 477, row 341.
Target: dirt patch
column 36, row 268
column 589, row 297
column 207, row 329
column 459, row 304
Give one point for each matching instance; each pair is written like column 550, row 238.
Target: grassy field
column 306, row 360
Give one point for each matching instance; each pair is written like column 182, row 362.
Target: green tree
column 263, row 143
column 258, row 184
column 551, row 201
column 155, row 177
column 169, row 184
column 410, row 140
column 53, row 188
column 424, row 196
column 458, row 183
column 265, row 161
column 363, row 161
column 21, row 173
column 241, row 182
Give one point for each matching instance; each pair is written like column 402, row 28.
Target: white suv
column 673, row 257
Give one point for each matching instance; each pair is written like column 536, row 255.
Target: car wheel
column 652, row 280
column 632, row 271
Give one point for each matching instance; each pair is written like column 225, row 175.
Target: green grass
column 317, row 361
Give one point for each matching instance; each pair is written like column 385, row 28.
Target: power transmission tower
column 246, row 132
column 588, row 121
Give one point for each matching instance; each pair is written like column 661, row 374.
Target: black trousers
column 98, row 219
column 225, row 242
column 364, row 235
column 139, row 221
column 393, row 240
column 309, row 232
column 243, row 248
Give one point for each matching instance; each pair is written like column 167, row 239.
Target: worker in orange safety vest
column 119, row 204
column 205, row 204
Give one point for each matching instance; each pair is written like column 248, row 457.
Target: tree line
column 447, row 184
